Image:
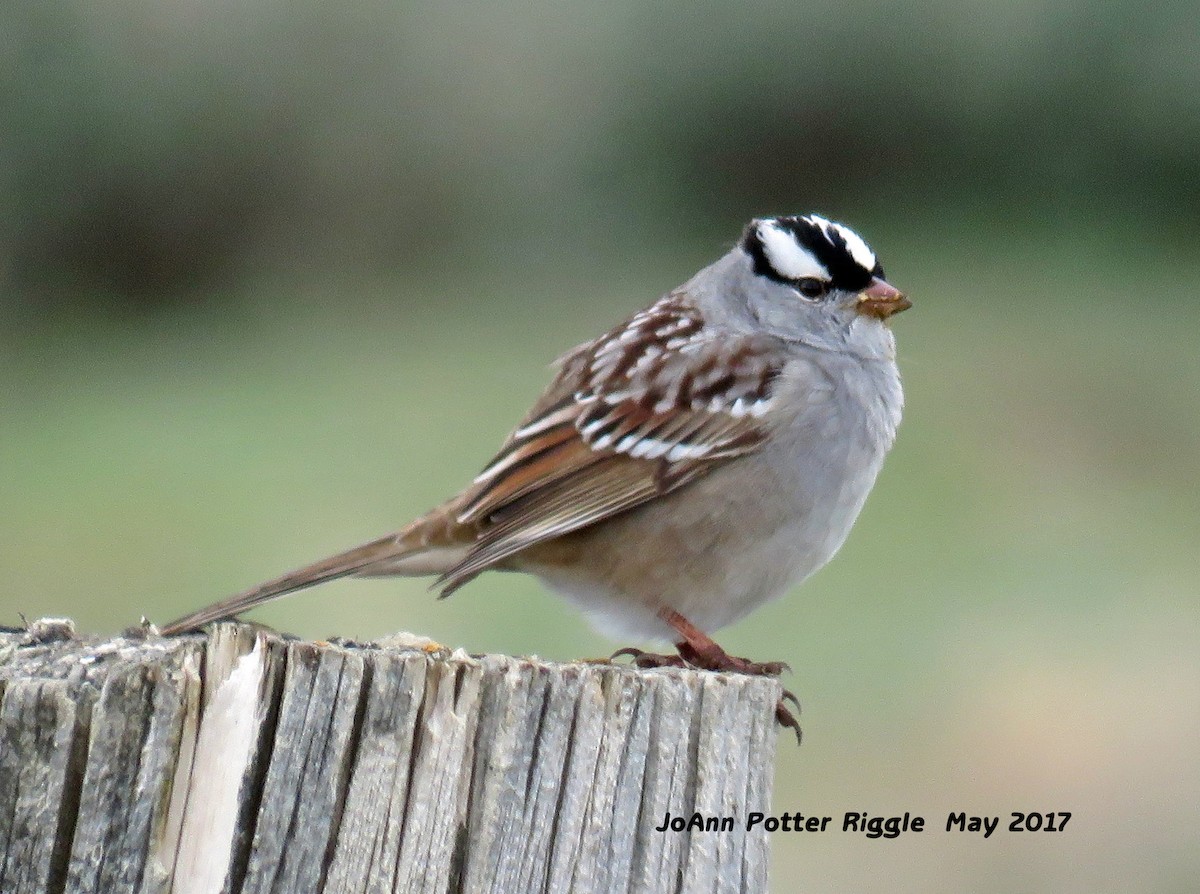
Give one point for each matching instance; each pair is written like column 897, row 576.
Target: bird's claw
column 646, row 660
column 785, row 718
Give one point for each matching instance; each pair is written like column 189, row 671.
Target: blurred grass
column 1012, row 625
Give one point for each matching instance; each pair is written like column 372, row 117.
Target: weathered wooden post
column 242, row 762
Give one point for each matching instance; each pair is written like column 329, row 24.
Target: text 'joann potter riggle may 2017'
column 865, row 824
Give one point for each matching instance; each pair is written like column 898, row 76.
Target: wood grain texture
column 242, row 762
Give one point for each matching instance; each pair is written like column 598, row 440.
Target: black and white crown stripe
column 839, row 234
column 787, row 249
column 786, row 256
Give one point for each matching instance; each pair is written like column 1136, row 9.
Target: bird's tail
column 428, row 546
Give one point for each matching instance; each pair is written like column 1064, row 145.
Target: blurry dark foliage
column 152, row 150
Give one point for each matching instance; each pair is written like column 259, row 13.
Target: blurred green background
column 277, row 278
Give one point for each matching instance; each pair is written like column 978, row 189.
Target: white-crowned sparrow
column 687, row 466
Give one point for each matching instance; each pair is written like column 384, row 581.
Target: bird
column 687, row 466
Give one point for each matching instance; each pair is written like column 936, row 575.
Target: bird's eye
column 811, row 287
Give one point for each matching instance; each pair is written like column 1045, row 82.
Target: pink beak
column 881, row 300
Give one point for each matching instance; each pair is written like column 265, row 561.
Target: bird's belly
column 715, row 556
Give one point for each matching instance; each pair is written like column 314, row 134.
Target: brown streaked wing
column 523, row 466
column 614, row 431
column 591, row 494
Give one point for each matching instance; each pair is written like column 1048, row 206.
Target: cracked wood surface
column 243, row 762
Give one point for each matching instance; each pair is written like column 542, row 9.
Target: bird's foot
column 717, row 659
column 649, row 659
column 707, row 655
column 728, row 664
column 698, row 649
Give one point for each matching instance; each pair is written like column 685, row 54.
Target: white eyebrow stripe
column 790, row 259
